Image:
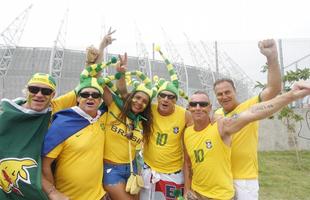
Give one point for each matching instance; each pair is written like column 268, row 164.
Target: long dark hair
column 146, row 113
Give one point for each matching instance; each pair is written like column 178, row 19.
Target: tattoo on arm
column 228, row 121
column 261, row 108
column 235, row 116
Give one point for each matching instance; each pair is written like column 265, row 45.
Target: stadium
column 27, row 60
column 18, row 63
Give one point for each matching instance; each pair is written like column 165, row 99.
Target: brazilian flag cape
column 21, row 136
column 65, row 123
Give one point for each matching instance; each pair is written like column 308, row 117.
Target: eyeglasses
column 44, row 91
column 200, row 103
column 94, row 95
column 169, row 96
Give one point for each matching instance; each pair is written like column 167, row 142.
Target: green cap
column 90, row 82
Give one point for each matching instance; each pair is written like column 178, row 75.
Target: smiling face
column 38, row 99
column 166, row 102
column 226, row 96
column 89, row 101
column 200, row 107
column 139, row 102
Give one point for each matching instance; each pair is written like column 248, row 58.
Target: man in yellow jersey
column 23, row 122
column 208, row 146
column 244, row 145
column 75, row 141
column 163, row 154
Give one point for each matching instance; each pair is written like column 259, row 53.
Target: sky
column 237, row 25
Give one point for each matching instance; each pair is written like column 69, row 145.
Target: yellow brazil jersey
column 210, row 159
column 62, row 102
column 79, row 168
column 164, row 152
column 244, row 163
column 116, row 147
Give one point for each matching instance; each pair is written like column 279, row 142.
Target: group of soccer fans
column 89, row 143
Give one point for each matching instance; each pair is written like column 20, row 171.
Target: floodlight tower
column 238, row 71
column 178, row 63
column 228, row 68
column 144, row 63
column 58, row 51
column 10, row 39
column 106, row 55
column 213, row 56
column 203, row 64
column 245, row 85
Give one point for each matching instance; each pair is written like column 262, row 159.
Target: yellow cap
column 43, row 78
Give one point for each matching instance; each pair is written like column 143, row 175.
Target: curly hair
column 146, row 113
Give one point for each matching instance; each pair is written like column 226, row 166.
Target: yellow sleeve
column 219, row 111
column 65, row 101
column 56, row 151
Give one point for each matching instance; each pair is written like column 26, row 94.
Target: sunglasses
column 169, row 96
column 44, row 91
column 94, row 95
column 200, row 103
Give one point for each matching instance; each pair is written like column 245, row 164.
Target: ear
column 53, row 94
column 78, row 99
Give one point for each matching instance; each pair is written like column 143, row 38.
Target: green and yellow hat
column 162, row 85
column 173, row 84
column 93, row 69
column 144, row 86
column 43, row 78
column 90, row 82
column 87, row 78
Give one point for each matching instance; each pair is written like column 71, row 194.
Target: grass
column 280, row 177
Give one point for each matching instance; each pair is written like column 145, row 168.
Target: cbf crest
column 209, row 144
column 176, row 130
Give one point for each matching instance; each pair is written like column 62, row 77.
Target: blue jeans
column 114, row 174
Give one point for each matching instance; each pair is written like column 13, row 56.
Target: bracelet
column 52, row 189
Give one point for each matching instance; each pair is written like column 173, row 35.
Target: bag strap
column 129, row 148
column 130, row 160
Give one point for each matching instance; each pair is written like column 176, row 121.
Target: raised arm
column 121, row 68
column 106, row 41
column 94, row 55
column 228, row 126
column 269, row 49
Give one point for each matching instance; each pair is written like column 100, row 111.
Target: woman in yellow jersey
column 128, row 121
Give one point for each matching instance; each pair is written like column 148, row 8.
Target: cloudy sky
column 236, row 24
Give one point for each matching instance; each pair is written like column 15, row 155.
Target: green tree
column 287, row 114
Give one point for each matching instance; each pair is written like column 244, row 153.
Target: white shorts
column 246, row 189
column 161, row 186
